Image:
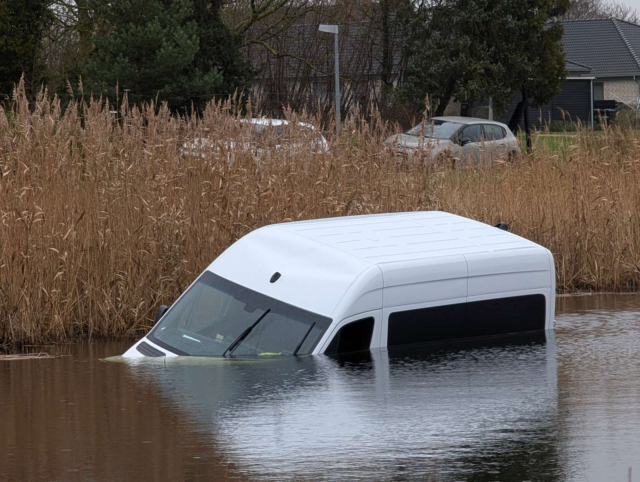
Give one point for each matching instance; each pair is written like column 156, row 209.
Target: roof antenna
column 502, row 226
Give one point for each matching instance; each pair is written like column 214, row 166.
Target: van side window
column 356, row 336
column 467, row 320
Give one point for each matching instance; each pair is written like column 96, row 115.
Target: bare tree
column 295, row 63
column 69, row 39
column 259, row 22
column 594, row 9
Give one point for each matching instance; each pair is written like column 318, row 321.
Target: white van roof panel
column 390, row 238
column 321, row 261
column 314, row 276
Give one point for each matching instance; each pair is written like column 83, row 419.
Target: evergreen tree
column 535, row 60
column 22, row 23
column 219, row 48
column 448, row 56
column 156, row 48
column 473, row 49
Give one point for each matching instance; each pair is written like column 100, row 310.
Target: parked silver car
column 462, row 139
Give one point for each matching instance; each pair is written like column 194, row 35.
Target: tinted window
column 506, row 315
column 467, row 320
column 426, row 325
column 472, row 133
column 493, row 132
column 355, row 336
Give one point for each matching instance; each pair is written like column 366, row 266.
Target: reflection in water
column 76, row 418
column 599, row 376
column 482, row 410
column 530, row 407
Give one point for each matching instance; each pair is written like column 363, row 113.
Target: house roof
column 574, row 68
column 609, row 47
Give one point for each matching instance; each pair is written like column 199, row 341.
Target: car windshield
column 437, row 129
column 215, row 312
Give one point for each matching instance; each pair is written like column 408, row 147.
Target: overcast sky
column 634, row 3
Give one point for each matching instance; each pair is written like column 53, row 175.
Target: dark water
column 556, row 407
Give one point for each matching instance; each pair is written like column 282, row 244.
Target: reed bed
column 103, row 217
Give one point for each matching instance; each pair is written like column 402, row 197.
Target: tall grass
column 102, row 218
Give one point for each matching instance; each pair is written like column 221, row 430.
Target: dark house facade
column 573, row 104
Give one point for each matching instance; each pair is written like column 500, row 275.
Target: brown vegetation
column 102, row 219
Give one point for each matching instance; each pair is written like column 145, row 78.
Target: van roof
column 386, row 238
column 320, row 261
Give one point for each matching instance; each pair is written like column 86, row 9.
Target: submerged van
column 358, row 282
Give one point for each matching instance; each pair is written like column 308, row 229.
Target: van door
column 356, row 333
column 517, row 273
column 417, row 285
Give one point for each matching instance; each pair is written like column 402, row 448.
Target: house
column 611, row 49
column 603, row 64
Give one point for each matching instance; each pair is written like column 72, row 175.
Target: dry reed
column 102, row 219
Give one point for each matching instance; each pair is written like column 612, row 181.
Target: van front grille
column 148, row 350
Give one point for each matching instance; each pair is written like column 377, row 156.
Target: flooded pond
column 561, row 406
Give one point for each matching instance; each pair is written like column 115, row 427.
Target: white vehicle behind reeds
column 260, row 137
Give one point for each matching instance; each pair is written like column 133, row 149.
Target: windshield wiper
column 244, row 334
column 295, row 352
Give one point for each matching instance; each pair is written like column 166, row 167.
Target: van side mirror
column 465, row 141
column 162, row 309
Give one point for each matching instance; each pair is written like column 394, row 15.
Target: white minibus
column 352, row 283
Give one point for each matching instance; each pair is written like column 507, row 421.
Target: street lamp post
column 334, row 30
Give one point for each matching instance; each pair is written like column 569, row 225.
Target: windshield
column 437, row 129
column 215, row 312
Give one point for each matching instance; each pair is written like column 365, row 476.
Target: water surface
column 551, row 406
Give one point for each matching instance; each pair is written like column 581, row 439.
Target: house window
column 598, row 91
column 355, row 336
